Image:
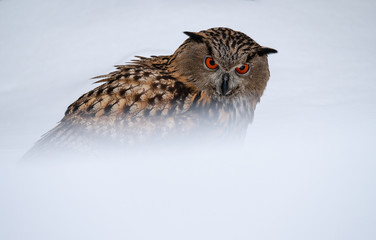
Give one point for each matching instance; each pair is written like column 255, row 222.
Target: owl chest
column 201, row 123
column 217, row 120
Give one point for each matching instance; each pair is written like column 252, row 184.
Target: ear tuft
column 266, row 50
column 195, row 36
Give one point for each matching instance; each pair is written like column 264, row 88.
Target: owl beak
column 224, row 86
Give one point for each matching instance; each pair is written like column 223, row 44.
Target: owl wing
column 136, row 99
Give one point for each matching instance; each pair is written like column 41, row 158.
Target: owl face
column 224, row 63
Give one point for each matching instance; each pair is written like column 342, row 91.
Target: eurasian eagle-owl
column 206, row 91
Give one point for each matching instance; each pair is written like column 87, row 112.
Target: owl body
column 200, row 93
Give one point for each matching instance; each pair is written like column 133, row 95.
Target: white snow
column 308, row 171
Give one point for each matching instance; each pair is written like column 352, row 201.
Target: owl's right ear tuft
column 195, row 36
column 265, row 51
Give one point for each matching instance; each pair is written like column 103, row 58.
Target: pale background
column 308, row 171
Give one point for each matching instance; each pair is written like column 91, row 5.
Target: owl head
column 223, row 63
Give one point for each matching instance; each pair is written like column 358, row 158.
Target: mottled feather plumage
column 169, row 97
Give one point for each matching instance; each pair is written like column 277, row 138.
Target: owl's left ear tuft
column 195, row 36
column 266, row 50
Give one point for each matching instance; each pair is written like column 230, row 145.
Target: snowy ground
column 308, row 171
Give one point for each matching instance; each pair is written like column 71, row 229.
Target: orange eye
column 210, row 63
column 243, row 69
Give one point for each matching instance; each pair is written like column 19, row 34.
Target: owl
column 206, row 91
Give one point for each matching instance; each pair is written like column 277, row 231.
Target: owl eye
column 243, row 69
column 210, row 63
